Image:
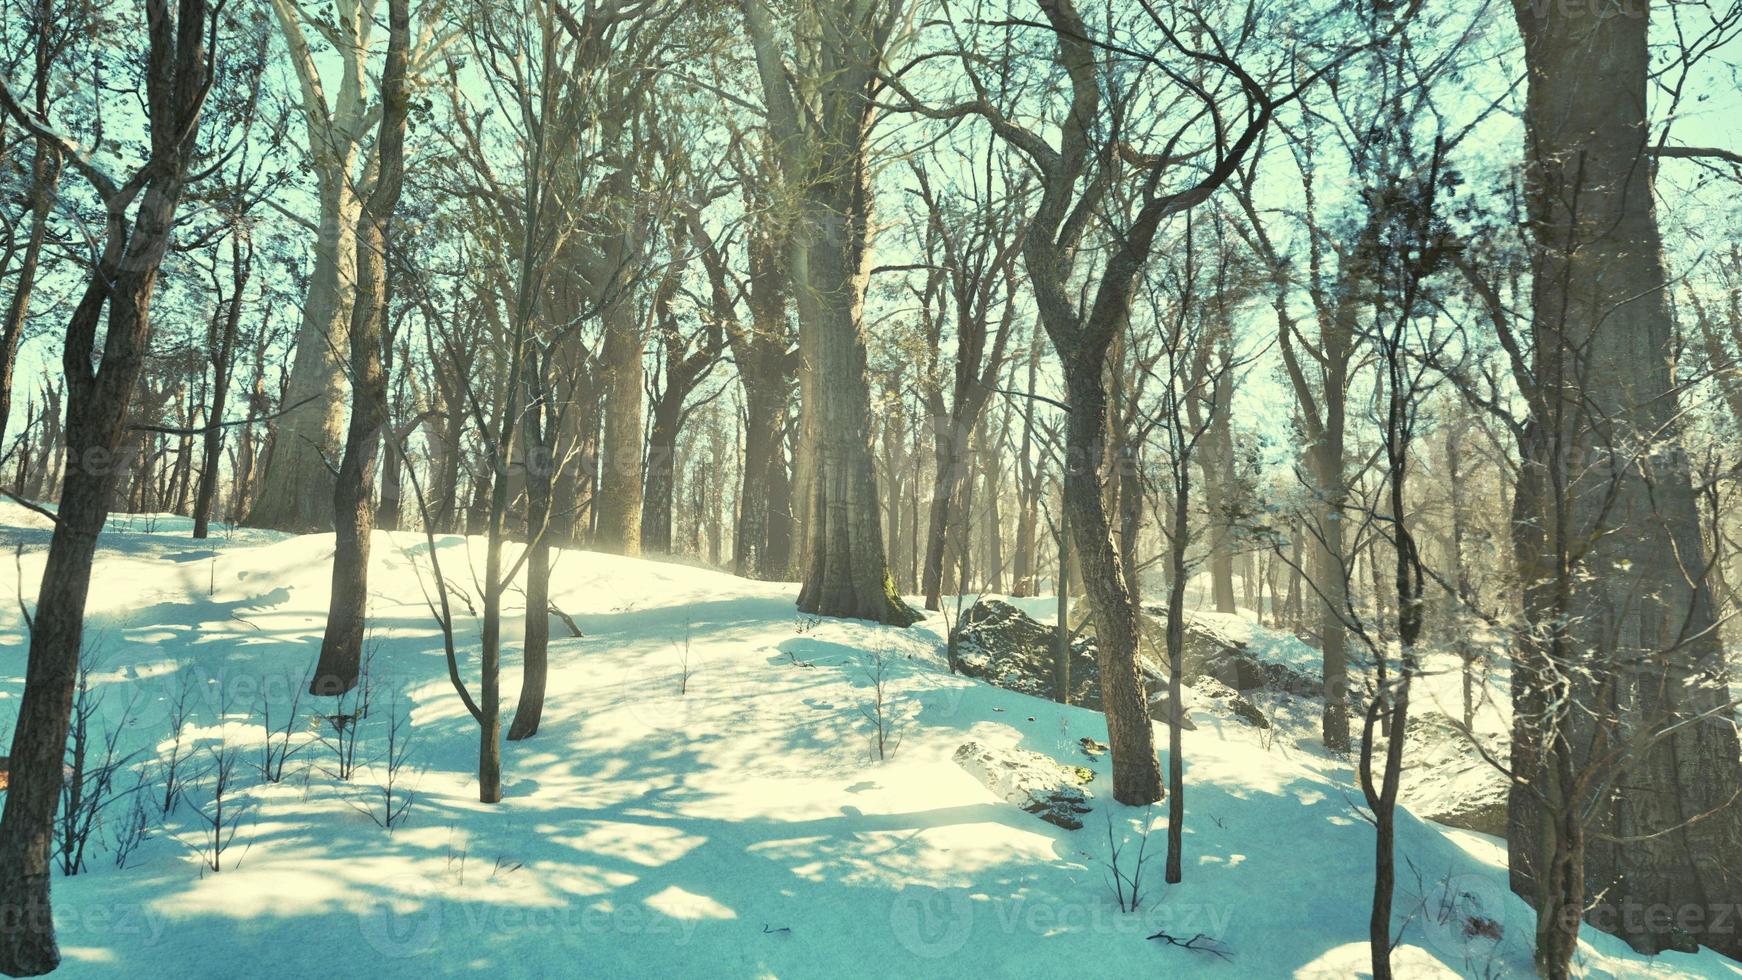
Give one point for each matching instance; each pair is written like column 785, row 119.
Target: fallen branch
column 567, row 620
column 1199, row 943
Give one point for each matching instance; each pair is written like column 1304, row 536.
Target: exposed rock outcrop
column 1000, row 644
column 1004, row 646
column 1448, row 781
column 1212, row 650
column 1032, row 781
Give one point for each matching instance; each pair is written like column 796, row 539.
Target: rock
column 1158, row 705
column 1000, row 644
column 1030, row 780
column 1003, row 646
column 1212, row 650
column 1228, row 701
column 1446, row 780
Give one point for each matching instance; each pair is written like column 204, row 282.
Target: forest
column 816, row 488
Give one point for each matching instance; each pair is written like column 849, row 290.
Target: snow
column 735, row 824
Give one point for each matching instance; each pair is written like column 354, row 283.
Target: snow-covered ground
column 702, row 800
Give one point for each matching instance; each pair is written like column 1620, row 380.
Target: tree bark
column 539, row 434
column 661, row 484
column 353, row 493
column 97, row 399
column 1607, row 534
column 299, row 479
column 823, row 156
column 1136, row 770
column 620, row 476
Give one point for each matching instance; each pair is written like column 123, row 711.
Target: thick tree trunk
column 661, row 488
column 27, row 944
column 847, row 570
column 620, row 476
column 764, row 465
column 951, row 433
column 447, row 451
column 297, row 486
column 1607, row 533
column 762, row 541
column 1330, row 579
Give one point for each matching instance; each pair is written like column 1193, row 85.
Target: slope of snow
column 702, row 799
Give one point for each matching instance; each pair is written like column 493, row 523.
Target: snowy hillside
column 703, row 799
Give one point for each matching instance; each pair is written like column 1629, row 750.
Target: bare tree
column 181, row 46
column 353, row 492
column 49, row 36
column 1090, row 180
column 298, row 480
column 972, row 248
column 820, row 111
column 1621, row 669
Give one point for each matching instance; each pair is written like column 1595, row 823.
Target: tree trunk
column 993, row 476
column 1330, row 579
column 761, row 515
column 298, row 482
column 1061, row 644
column 620, row 476
column 848, row 572
column 1218, row 467
column 224, row 352
column 1607, row 531
column 97, row 401
column 1136, row 770
column 1179, row 571
column 661, row 487
column 44, row 179
column 951, row 433
column 1027, row 561
column 535, row 649
column 353, row 493
column 43, row 476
